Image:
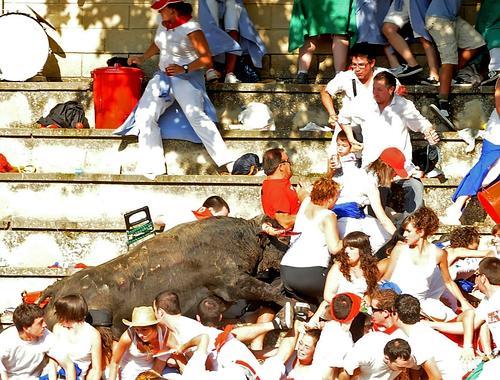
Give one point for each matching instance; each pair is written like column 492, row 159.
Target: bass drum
column 24, row 47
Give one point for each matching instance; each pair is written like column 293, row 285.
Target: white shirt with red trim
column 333, row 345
column 368, row 355
column 489, row 311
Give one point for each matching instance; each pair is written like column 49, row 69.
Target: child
column 341, row 155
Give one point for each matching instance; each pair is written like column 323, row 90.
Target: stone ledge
column 281, row 133
column 222, row 180
column 36, row 272
column 276, row 87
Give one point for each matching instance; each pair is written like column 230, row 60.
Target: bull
column 220, row 256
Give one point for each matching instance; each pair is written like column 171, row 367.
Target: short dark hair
column 215, row 202
column 25, row 314
column 71, row 308
column 183, row 9
column 209, row 310
column 342, row 305
column 314, row 333
column 363, row 49
column 342, row 136
column 271, row 159
column 408, row 308
column 169, row 302
column 490, row 267
column 397, row 349
column 388, row 78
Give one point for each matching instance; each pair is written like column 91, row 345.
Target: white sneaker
column 451, row 217
column 434, row 173
column 231, row 78
column 212, row 75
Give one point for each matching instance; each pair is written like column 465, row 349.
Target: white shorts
column 494, row 60
column 400, row 18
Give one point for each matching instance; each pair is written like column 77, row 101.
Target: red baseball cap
column 395, row 159
column 158, row 5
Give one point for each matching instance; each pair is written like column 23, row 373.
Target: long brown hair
column 367, row 261
column 384, row 172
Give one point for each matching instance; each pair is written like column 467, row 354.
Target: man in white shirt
column 426, row 343
column 385, row 122
column 366, row 359
column 25, row 347
column 357, row 87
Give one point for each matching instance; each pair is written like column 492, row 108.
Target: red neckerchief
column 202, row 213
column 178, row 22
column 223, row 337
column 387, row 331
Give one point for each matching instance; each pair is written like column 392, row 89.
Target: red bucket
column 490, row 200
column 116, row 92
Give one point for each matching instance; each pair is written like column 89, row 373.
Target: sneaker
column 492, row 77
column 231, row 78
column 284, row 319
column 434, row 173
column 301, row 78
column 398, row 70
column 301, row 311
column 443, row 112
column 461, row 82
column 212, row 75
column 430, row 81
column 409, row 71
column 468, row 76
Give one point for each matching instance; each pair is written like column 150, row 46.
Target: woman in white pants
column 184, row 53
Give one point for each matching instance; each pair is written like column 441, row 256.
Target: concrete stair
column 58, row 214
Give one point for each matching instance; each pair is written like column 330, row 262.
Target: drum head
column 24, row 47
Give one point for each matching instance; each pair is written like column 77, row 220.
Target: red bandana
column 387, row 331
column 202, row 213
column 356, row 304
column 178, row 22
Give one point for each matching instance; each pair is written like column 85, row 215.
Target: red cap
column 396, row 160
column 203, row 213
column 158, row 5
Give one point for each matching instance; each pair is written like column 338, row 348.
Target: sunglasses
column 285, row 162
column 375, row 309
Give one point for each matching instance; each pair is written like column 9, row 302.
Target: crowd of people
column 371, row 296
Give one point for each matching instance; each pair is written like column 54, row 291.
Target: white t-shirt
column 368, row 355
column 492, row 133
column 489, row 311
column 78, row 344
column 343, row 82
column 309, row 249
column 333, row 345
column 24, row 360
column 175, row 45
column 426, row 343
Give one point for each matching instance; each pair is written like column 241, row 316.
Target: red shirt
column 278, row 195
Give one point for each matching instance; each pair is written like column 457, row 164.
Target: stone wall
column 88, row 32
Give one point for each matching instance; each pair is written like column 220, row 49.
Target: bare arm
column 329, row 227
column 284, row 219
column 327, row 101
column 442, row 258
column 118, row 351
column 69, row 368
column 139, row 59
column 374, row 197
column 96, row 359
column 393, row 259
column 331, row 288
column 204, row 60
column 463, row 253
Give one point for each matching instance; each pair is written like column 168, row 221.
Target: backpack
column 66, row 115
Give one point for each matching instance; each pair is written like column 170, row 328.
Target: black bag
column 426, row 157
column 248, row 164
column 246, row 71
column 66, row 115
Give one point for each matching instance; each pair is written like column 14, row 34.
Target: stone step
column 98, row 151
column 102, row 199
column 25, row 102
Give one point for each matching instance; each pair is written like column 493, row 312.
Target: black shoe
column 430, row 81
column 284, row 319
column 492, row 77
column 301, row 78
column 409, row 71
column 442, row 110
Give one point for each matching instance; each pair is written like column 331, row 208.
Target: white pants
column 231, row 15
column 151, row 107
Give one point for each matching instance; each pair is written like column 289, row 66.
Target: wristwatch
column 186, row 68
